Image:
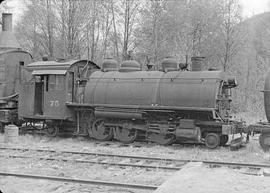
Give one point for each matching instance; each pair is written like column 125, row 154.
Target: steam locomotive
column 128, row 103
column 121, row 102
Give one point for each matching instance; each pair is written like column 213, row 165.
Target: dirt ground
column 196, row 177
column 251, row 153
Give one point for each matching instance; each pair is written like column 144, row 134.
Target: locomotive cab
column 53, row 84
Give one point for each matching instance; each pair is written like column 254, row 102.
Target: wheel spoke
column 100, row 131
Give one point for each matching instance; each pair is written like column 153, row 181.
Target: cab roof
column 54, row 65
column 6, row 51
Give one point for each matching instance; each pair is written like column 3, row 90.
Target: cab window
column 56, row 82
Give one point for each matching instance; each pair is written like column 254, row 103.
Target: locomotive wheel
column 125, row 135
column 223, row 139
column 100, row 131
column 212, row 140
column 264, row 140
column 52, row 131
column 161, row 139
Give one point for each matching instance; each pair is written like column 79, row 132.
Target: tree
column 230, row 30
column 130, row 10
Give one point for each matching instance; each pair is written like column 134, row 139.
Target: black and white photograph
column 134, row 96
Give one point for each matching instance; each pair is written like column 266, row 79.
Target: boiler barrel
column 154, row 88
column 123, row 88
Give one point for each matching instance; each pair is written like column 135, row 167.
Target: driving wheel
column 100, row 131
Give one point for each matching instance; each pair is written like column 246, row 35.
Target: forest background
column 149, row 30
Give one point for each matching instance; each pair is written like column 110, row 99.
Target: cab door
column 55, row 97
column 39, row 92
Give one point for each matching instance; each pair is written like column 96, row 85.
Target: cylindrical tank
column 154, row 88
column 267, row 95
column 123, row 88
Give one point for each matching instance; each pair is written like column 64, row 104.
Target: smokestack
column 196, row 63
column 6, row 22
column 7, row 38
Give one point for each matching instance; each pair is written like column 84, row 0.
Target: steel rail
column 94, row 162
column 95, row 154
column 81, row 181
column 147, row 158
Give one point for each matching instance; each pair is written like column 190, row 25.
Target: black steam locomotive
column 122, row 101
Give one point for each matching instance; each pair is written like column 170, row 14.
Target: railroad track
column 171, row 164
column 97, row 158
column 114, row 160
column 80, row 181
column 85, row 157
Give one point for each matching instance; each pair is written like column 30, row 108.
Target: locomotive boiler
column 163, row 106
column 127, row 103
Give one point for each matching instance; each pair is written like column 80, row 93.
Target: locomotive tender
column 166, row 106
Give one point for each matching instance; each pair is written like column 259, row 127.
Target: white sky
column 253, row 7
column 17, row 8
column 250, row 7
